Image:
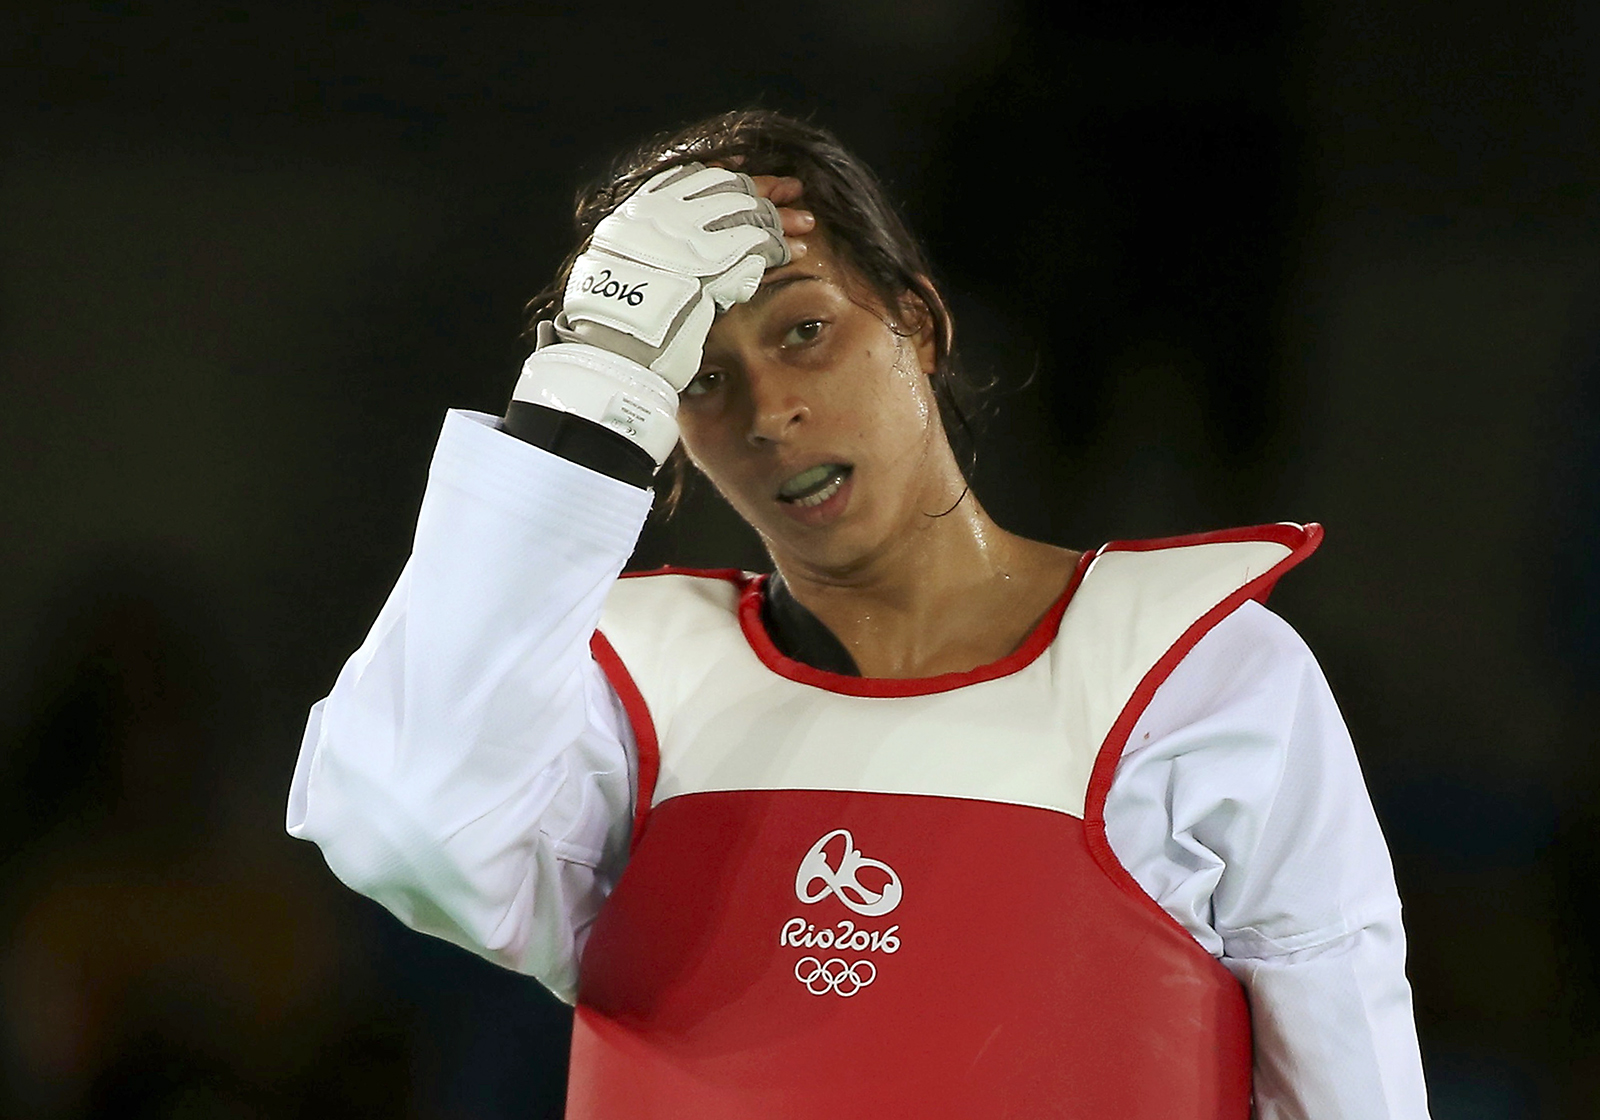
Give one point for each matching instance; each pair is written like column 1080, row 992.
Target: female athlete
column 933, row 821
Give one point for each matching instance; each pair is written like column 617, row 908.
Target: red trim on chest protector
column 752, row 588
column 1302, row 541
column 644, row 728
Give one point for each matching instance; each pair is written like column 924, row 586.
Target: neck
column 955, row 592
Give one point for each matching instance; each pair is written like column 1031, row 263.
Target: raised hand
column 642, row 297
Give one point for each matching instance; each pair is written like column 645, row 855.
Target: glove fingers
column 667, row 178
column 738, row 242
column 773, row 249
column 690, row 205
column 702, row 181
column 737, row 183
column 700, row 253
column 680, row 360
column 698, row 213
column 763, row 214
column 738, row 284
column 690, row 240
column 681, row 219
column 708, row 254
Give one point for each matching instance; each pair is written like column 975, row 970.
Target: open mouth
column 814, row 485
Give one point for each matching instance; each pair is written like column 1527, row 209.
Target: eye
column 803, row 334
column 704, row 382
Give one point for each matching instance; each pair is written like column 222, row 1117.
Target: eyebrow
column 782, row 282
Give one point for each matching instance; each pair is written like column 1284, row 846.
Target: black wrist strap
column 581, row 441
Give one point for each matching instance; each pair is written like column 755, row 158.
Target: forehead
column 823, row 271
column 821, row 262
column 818, row 272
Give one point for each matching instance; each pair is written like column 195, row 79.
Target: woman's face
column 816, row 418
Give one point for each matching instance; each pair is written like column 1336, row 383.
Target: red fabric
column 644, row 729
column 1024, row 983
column 1032, row 976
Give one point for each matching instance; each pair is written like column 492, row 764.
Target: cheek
column 909, row 398
column 714, row 452
column 695, row 444
column 706, row 433
column 701, row 446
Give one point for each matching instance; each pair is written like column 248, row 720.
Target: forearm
column 468, row 768
column 1333, row 1027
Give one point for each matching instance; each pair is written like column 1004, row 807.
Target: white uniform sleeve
column 1239, row 806
column 471, row 769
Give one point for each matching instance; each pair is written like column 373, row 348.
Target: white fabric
column 703, row 225
column 471, row 770
column 725, row 720
column 1239, row 806
column 613, row 391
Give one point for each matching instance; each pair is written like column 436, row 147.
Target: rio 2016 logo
column 802, row 934
column 602, row 284
column 820, row 876
column 844, row 882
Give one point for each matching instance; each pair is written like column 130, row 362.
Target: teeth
column 805, row 480
column 822, row 495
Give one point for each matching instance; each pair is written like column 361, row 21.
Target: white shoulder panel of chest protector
column 725, row 721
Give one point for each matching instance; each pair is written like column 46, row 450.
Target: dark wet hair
column 851, row 208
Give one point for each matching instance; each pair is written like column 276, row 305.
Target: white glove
column 641, row 299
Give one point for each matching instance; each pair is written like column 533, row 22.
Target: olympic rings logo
column 834, row 975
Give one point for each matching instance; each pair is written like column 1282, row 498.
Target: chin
column 836, row 550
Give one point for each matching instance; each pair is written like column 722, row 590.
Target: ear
column 932, row 331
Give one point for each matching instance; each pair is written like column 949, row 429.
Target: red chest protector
column 864, row 898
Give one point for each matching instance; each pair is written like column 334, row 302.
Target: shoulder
column 1229, row 662
column 664, row 591
column 1247, row 687
column 1143, row 608
column 1157, row 598
column 1251, row 559
column 1250, row 641
column 652, row 613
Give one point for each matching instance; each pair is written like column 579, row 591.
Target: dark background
column 1335, row 261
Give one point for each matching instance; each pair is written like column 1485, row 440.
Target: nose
column 776, row 407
